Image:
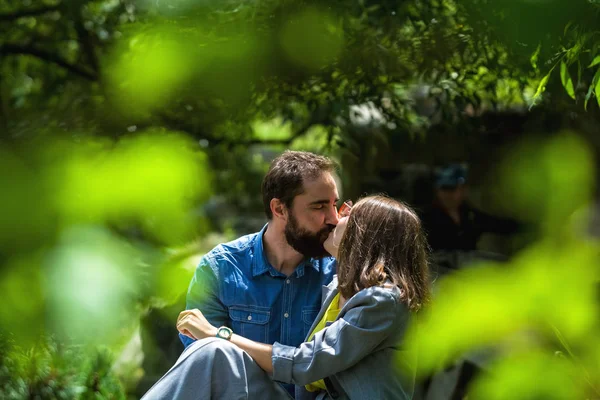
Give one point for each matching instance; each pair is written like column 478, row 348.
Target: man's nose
column 332, row 216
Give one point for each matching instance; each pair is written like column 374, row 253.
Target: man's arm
column 203, row 294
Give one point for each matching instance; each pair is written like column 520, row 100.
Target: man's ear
column 278, row 209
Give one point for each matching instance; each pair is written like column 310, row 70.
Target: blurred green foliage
column 201, row 66
column 54, row 371
column 539, row 313
column 130, row 128
column 83, row 228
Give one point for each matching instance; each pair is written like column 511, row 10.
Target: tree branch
column 17, row 49
column 177, row 124
column 11, row 16
column 84, row 36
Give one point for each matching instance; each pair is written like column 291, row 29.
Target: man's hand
column 192, row 323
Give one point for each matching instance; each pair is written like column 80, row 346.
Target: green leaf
column 588, row 96
column 567, row 82
column 598, row 90
column 542, row 86
column 535, row 56
column 595, row 61
column 574, row 51
column 593, row 86
column 567, row 27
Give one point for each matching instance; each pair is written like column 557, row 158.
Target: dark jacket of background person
column 359, row 352
column 444, row 234
column 450, row 222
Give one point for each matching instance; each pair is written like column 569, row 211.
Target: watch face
column 224, row 333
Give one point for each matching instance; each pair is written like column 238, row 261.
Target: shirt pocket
column 252, row 322
column 309, row 314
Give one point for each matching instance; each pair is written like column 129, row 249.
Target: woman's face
column 332, row 244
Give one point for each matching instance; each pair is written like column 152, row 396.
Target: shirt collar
column 260, row 264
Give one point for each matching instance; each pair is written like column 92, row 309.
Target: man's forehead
column 322, row 188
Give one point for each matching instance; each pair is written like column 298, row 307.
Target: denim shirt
column 234, row 285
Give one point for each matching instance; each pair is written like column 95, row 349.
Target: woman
column 355, row 347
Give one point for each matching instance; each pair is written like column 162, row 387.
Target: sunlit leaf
column 485, row 306
column 598, row 89
column 569, row 268
column 517, row 377
column 148, row 69
column 542, row 85
column 594, row 62
column 566, row 80
column 472, row 308
column 592, row 87
column 538, row 166
column 535, row 56
column 275, row 129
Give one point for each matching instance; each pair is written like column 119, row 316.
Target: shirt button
column 286, row 315
column 249, row 317
column 287, row 281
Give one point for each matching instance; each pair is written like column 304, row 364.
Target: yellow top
column 330, row 315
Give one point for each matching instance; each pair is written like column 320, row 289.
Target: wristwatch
column 224, row 333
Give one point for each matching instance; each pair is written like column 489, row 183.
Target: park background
column 134, row 136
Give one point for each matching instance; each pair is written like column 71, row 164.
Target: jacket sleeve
column 203, row 294
column 340, row 345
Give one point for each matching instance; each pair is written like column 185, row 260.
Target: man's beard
column 305, row 242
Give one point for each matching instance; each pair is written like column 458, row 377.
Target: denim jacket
column 359, row 354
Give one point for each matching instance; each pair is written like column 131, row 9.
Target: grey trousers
column 214, row 368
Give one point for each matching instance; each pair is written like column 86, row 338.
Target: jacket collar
column 328, row 292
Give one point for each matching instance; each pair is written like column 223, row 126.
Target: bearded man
column 265, row 286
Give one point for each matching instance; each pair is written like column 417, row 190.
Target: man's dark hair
column 286, row 176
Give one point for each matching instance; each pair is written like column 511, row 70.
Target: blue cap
column 451, row 176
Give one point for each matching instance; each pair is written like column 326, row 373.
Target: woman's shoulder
column 385, row 293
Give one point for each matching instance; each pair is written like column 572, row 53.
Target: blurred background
column 134, row 136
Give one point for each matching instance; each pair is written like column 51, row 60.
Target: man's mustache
column 326, row 231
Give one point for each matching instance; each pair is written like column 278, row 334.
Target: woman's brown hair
column 384, row 241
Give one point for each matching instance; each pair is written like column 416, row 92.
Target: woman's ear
column 278, row 209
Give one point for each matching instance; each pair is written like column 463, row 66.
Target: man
column 265, row 286
column 451, row 223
